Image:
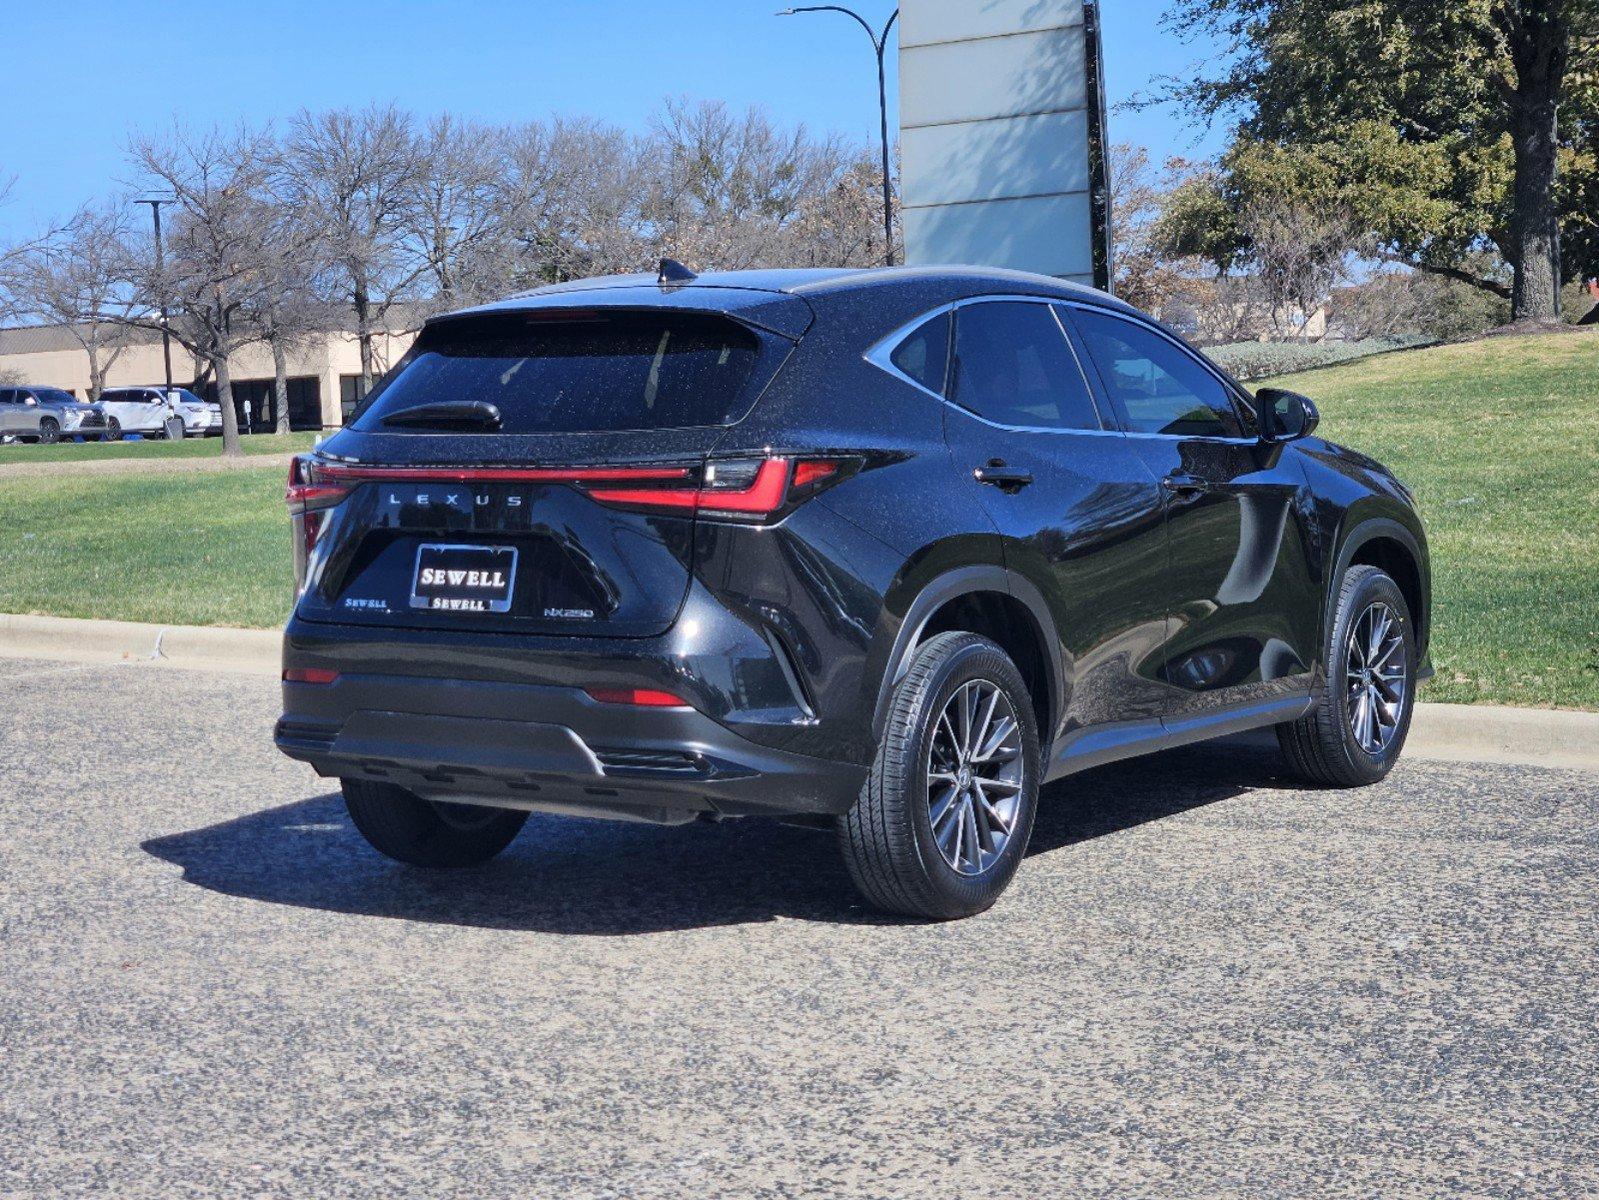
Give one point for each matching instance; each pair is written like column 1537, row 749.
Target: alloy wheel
column 1376, row 677
column 974, row 776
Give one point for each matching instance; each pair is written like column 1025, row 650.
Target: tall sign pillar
column 1002, row 136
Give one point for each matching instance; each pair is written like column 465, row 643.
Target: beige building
column 324, row 372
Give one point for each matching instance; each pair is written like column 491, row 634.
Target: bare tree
column 287, row 311
column 453, row 213
column 354, row 175
column 574, row 195
column 1146, row 275
column 726, row 190
column 1299, row 254
column 78, row 280
column 215, row 265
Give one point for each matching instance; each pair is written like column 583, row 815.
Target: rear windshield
column 577, row 372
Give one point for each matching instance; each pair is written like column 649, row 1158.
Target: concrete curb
column 246, row 651
column 1446, row 732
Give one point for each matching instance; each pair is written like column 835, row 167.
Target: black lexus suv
column 886, row 550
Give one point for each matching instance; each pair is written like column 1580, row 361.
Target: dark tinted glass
column 1158, row 387
column 1013, row 365
column 925, row 354
column 6, row 395
column 55, row 396
column 578, row 373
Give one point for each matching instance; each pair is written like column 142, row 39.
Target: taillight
column 308, row 489
column 738, row 489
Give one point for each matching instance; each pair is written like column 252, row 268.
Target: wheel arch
column 1391, row 547
column 989, row 600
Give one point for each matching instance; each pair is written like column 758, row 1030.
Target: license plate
column 464, row 578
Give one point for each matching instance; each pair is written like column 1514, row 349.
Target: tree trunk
column 96, row 377
column 1535, row 226
column 363, row 317
column 230, row 419
column 280, row 386
column 1540, row 36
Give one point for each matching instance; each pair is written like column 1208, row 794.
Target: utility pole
column 880, row 45
column 155, row 204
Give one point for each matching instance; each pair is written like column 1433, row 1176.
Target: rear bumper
column 549, row 748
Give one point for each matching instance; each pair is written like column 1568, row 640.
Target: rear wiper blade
column 448, row 414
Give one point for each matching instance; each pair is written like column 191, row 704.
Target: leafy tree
column 1441, row 125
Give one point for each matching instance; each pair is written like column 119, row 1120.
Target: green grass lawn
column 258, row 443
column 202, row 549
column 1499, row 441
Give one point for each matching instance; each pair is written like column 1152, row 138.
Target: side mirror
column 1285, row 416
column 31, row 401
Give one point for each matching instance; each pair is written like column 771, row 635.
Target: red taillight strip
column 330, row 473
column 764, row 495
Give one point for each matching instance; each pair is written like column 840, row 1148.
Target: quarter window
column 1158, row 387
column 1014, row 366
column 924, row 354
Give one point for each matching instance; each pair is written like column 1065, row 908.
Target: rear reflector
column 309, row 675
column 638, row 697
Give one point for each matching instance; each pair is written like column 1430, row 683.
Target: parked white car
column 144, row 410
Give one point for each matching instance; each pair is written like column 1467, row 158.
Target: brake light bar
column 353, row 475
column 738, row 489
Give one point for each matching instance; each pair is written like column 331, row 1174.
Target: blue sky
column 101, row 69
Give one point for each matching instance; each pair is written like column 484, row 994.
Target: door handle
column 997, row 475
column 1191, row 485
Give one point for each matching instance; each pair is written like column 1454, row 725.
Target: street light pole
column 166, row 336
column 880, row 45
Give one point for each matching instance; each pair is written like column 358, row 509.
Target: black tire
column 1323, row 747
column 113, row 430
column 49, row 431
column 887, row 838
column 412, row 830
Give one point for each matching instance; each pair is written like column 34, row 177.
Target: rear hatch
column 535, row 471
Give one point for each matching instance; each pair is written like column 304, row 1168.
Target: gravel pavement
column 1204, row 983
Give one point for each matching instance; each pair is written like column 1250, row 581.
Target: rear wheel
column 944, row 818
column 49, row 431
column 423, row 833
column 1355, row 733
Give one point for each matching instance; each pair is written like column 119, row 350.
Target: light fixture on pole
column 880, row 45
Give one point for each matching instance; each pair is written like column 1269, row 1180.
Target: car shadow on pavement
column 604, row 878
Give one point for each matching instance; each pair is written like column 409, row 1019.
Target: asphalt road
column 1203, row 984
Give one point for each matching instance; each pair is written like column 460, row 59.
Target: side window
column 6, row 395
column 924, row 355
column 1014, row 366
column 1158, row 387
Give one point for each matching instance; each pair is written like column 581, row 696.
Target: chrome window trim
column 881, row 356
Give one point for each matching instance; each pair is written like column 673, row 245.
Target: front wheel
column 943, row 820
column 113, row 430
column 49, row 431
column 422, row 833
column 1354, row 734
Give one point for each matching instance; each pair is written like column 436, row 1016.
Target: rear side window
column 924, row 354
column 1014, row 366
column 578, row 372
